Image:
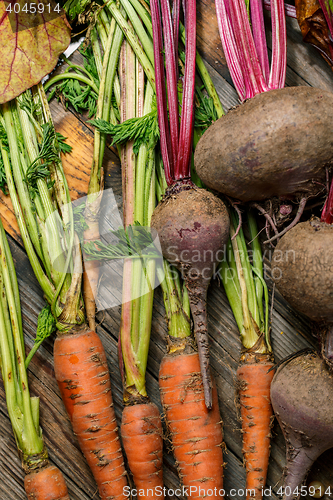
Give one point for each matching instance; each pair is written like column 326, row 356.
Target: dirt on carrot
column 82, row 374
column 46, row 484
column 254, row 381
column 141, row 432
column 196, row 432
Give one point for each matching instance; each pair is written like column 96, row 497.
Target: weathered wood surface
column 290, row 331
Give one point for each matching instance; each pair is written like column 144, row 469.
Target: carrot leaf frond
column 46, row 325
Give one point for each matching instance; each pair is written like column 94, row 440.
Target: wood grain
column 290, row 331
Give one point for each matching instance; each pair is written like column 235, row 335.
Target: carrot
column 46, row 484
column 254, row 381
column 141, row 432
column 83, row 378
column 196, row 432
column 245, row 287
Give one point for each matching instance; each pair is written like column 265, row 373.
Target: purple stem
column 175, row 23
column 165, row 141
column 279, row 47
column 290, row 10
column 171, row 74
column 249, row 62
column 230, row 48
column 183, row 165
column 259, row 35
column 327, row 213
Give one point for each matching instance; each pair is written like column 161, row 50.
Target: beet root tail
column 299, row 462
column 198, row 295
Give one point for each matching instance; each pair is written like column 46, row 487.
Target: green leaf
column 63, row 147
column 74, row 7
column 49, row 153
column 143, row 130
column 33, row 43
column 80, row 224
column 134, row 242
column 205, row 113
column 46, row 325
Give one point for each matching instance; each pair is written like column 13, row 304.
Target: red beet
column 276, row 144
column 302, row 269
column 301, row 396
column 193, row 228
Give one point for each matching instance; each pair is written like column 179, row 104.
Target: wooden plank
column 290, row 331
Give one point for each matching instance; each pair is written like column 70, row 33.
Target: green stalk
column 245, row 286
column 53, row 245
column 146, row 41
column 97, row 52
column 257, row 262
column 232, row 289
column 28, row 437
column 131, row 38
column 144, row 14
column 43, row 280
column 110, row 62
column 246, row 270
column 19, row 181
column 70, row 76
column 141, row 175
column 179, row 325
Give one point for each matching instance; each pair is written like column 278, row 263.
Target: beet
column 301, row 396
column 276, row 144
column 193, row 228
column 302, row 269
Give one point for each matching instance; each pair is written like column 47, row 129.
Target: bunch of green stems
column 23, row 409
column 39, row 193
column 242, row 274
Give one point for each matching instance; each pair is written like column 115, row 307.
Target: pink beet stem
column 279, row 46
column 175, row 24
column 259, row 35
column 290, row 10
column 246, row 50
column 176, row 141
column 165, row 141
column 183, row 165
column 327, row 10
column 327, row 213
column 230, row 48
column 171, row 75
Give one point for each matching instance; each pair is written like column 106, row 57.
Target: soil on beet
column 302, row 268
column 301, row 393
column 278, row 143
column 193, row 228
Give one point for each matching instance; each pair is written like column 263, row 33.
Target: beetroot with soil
column 302, row 388
column 301, row 394
column 278, row 143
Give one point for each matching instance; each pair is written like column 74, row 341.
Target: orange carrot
column 141, row 432
column 196, row 432
column 82, row 374
column 46, row 484
column 254, row 383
